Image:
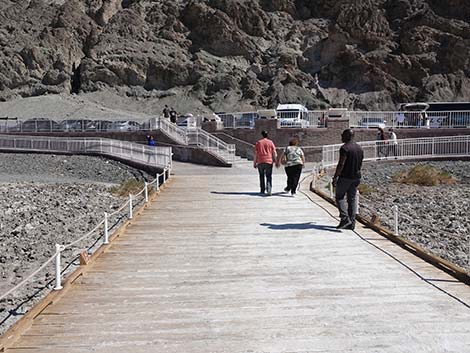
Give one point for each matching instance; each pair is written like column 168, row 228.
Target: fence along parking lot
column 357, row 119
column 246, row 120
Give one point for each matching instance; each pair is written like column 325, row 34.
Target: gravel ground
column 436, row 217
column 47, row 199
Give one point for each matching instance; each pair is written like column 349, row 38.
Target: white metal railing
column 357, row 119
column 197, row 137
column 159, row 156
column 202, row 139
column 148, row 155
column 171, row 129
column 246, row 120
column 425, row 147
column 422, row 120
column 101, row 229
column 13, row 125
column 236, row 120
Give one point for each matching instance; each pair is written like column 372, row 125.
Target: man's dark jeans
column 347, row 188
column 265, row 170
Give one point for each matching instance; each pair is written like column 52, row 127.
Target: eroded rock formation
column 237, row 54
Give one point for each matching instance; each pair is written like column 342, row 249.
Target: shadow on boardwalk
column 238, row 193
column 300, row 226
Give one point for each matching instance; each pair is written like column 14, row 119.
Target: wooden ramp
column 211, row 266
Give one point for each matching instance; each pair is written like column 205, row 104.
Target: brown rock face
column 239, row 54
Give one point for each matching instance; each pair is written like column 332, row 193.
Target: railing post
column 164, row 176
column 130, row 206
column 158, row 182
column 106, row 230
column 314, row 180
column 358, row 196
column 58, row 280
column 395, row 218
column 146, row 192
column 331, row 187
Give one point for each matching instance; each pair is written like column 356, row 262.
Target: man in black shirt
column 166, row 112
column 173, row 116
column 347, row 178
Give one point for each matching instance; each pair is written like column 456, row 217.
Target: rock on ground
column 435, row 217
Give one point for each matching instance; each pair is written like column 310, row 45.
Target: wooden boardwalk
column 211, row 266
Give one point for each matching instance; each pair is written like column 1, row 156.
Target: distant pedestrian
column 265, row 154
column 294, row 159
column 381, row 142
column 400, row 119
column 151, row 153
column 393, row 143
column 347, row 179
column 150, row 140
column 173, row 116
column 166, row 112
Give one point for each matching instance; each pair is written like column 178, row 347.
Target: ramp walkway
column 211, row 266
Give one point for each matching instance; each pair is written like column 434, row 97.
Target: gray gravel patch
column 49, row 199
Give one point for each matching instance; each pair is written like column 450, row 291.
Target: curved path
column 211, row 266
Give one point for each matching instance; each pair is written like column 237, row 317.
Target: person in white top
column 393, row 142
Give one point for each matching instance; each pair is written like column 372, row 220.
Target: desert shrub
column 365, row 189
column 424, row 175
column 127, row 187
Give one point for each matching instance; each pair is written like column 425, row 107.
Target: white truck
column 292, row 115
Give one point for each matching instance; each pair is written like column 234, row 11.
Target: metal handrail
column 409, row 119
column 208, row 142
column 171, row 129
column 418, row 148
column 149, row 155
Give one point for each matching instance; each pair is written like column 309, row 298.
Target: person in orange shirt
column 265, row 155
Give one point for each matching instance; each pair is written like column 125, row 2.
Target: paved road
column 211, row 266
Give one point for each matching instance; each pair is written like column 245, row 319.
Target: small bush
column 365, row 189
column 128, row 187
column 424, row 175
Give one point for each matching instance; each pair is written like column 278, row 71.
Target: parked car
column 372, row 122
column 126, row 125
column 186, row 120
column 76, row 124
column 247, row 120
column 39, row 125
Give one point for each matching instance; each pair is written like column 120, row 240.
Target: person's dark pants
column 293, row 177
column 347, row 189
column 265, row 170
column 393, row 150
column 381, row 149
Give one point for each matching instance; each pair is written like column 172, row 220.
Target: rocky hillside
column 238, row 54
